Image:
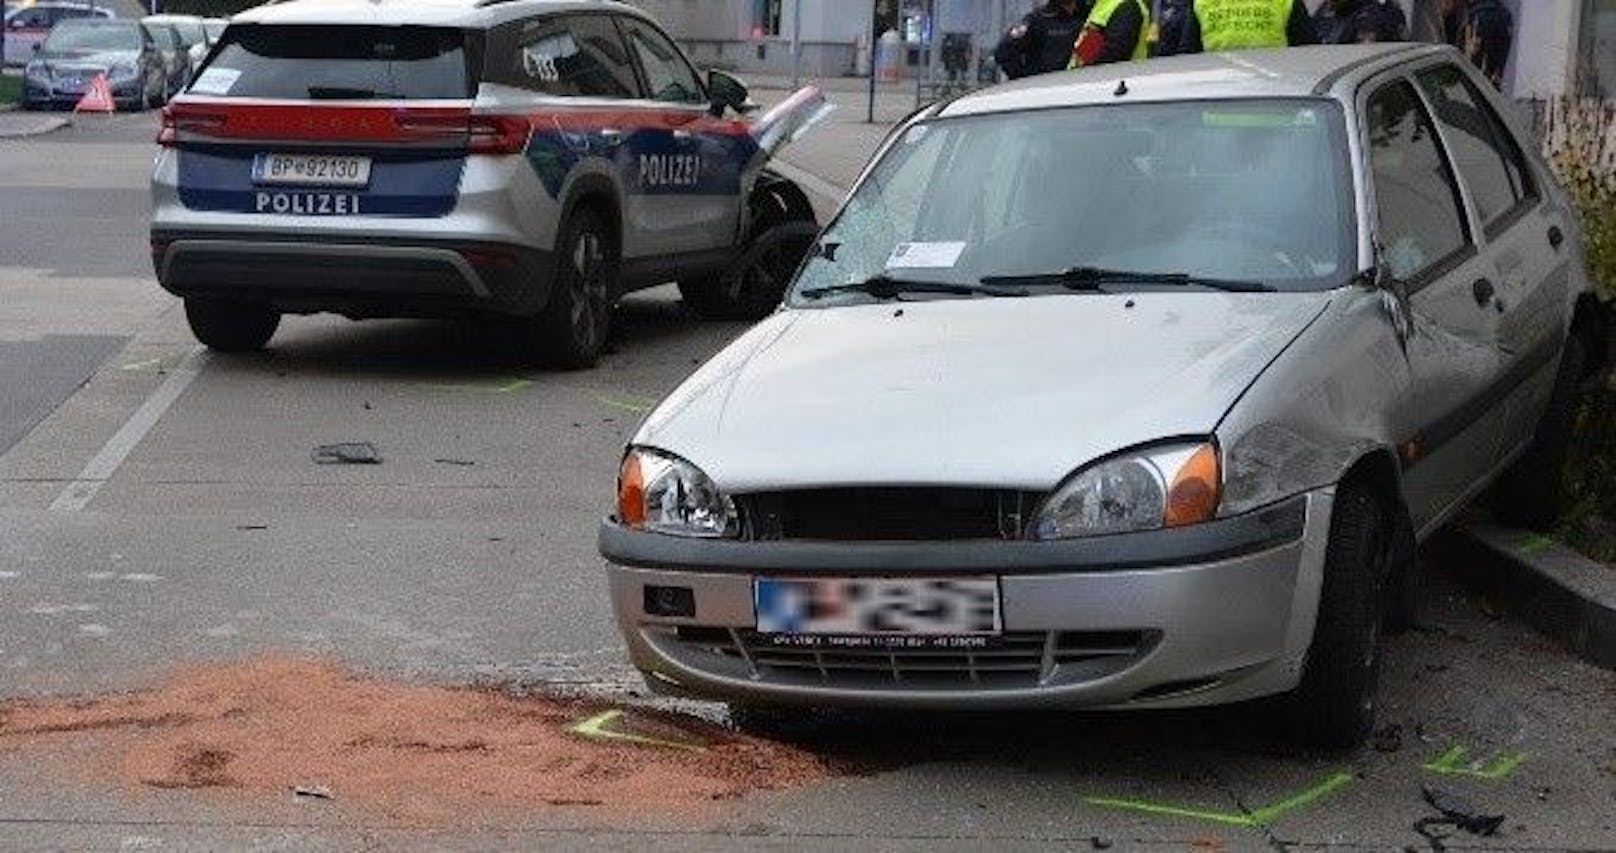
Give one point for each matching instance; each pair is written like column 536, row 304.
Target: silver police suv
column 1132, row 387
column 534, row 159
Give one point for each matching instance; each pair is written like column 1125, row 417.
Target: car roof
column 1289, row 72
column 441, row 13
column 172, row 19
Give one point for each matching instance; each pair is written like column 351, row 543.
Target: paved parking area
column 191, row 526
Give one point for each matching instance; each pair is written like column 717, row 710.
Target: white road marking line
column 810, row 181
column 84, row 488
column 6, row 576
column 94, row 630
column 140, row 577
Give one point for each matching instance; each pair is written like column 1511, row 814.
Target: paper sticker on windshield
column 215, row 81
column 925, row 255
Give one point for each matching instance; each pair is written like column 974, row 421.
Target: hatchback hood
column 89, row 60
column 1008, row 392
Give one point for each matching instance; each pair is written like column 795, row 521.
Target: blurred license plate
column 859, row 611
column 311, row 170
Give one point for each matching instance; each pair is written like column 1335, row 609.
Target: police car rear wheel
column 231, row 326
column 573, row 328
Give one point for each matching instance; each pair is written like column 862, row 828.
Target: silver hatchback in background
column 1125, row 388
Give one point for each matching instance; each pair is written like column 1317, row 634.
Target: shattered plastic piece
column 464, row 463
column 1457, row 812
column 1099, row 843
column 313, row 792
column 347, row 453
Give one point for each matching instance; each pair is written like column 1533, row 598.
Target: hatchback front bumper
column 1219, row 613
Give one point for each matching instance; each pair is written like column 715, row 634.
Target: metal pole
column 796, row 43
column 870, row 116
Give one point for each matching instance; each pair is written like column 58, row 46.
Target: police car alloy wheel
column 574, row 325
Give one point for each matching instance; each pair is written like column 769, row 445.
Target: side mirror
column 725, row 90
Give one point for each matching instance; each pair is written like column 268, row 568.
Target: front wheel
column 573, row 327
column 757, row 282
column 231, row 326
column 1334, row 706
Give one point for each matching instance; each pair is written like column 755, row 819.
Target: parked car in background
column 192, row 34
column 176, row 56
column 80, row 48
column 1156, row 425
column 526, row 162
column 27, row 26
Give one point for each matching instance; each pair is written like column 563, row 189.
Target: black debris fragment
column 1388, row 739
column 1457, row 814
column 464, row 463
column 347, row 453
column 312, row 792
column 1099, row 843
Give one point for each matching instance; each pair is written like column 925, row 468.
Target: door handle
column 1556, row 237
column 611, row 137
column 1483, row 291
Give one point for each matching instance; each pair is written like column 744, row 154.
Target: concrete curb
column 13, row 128
column 1557, row 590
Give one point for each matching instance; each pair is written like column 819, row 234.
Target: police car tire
column 565, row 337
column 231, row 326
column 735, row 294
column 1334, row 706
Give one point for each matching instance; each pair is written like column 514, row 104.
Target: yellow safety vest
column 1241, row 24
column 1100, row 18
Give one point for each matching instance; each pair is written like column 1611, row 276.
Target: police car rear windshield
column 342, row 63
column 1163, row 195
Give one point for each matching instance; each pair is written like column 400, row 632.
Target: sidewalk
column 16, row 123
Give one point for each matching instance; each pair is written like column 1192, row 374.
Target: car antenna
column 1122, row 88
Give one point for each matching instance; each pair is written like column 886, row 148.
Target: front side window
column 1477, row 140
column 1421, row 223
column 1255, row 191
column 342, row 62
column 668, row 76
column 579, row 56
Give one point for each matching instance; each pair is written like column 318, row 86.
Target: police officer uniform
column 1217, row 25
column 1356, row 21
column 1043, row 41
column 1116, row 31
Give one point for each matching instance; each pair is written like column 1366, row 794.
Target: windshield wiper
column 348, row 93
column 887, row 287
column 1091, row 279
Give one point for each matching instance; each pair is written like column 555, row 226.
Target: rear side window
column 1420, row 220
column 573, row 56
column 341, row 63
column 1482, row 149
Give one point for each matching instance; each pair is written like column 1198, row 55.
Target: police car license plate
column 311, row 170
column 878, row 611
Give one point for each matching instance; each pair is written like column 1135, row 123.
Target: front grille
column 887, row 514
column 1023, row 659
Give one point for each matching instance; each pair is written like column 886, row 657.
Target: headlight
column 662, row 493
column 1168, row 486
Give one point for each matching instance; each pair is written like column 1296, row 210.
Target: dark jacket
column 1116, row 41
column 1361, row 21
column 1298, row 29
column 1170, row 29
column 1042, row 42
column 1494, row 28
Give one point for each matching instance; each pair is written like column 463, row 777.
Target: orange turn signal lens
column 1194, row 495
column 631, row 493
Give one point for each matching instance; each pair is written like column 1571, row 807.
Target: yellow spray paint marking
column 492, row 386
column 636, row 405
column 595, row 728
column 148, row 364
column 1536, row 544
column 1262, row 817
column 1453, row 763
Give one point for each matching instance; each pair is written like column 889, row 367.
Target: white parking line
column 100, row 469
column 810, row 181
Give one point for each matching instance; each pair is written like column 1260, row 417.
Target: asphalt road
column 158, row 507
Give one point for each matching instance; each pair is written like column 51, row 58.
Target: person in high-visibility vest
column 1217, row 25
column 1116, row 31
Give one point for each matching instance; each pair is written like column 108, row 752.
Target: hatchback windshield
column 339, row 62
column 1251, row 192
column 70, row 37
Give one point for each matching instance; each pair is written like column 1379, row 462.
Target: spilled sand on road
column 420, row 753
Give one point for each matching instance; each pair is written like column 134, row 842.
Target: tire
column 574, row 326
column 231, row 326
column 1334, row 706
column 750, row 293
column 1531, row 493
column 1405, row 584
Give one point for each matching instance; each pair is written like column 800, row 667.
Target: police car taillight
column 176, row 122
column 495, row 134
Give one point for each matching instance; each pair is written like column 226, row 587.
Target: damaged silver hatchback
column 1125, row 388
